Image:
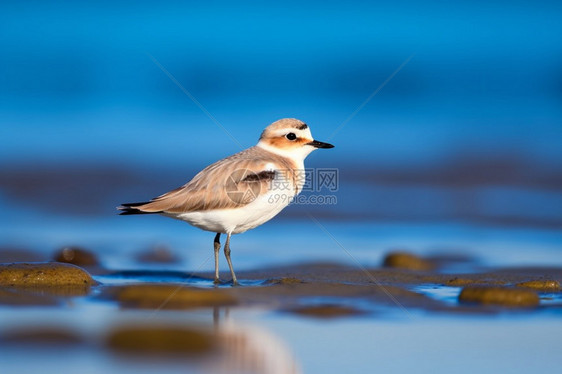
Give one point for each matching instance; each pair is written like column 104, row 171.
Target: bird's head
column 291, row 138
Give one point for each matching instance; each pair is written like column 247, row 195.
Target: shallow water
column 374, row 334
column 388, row 338
column 457, row 160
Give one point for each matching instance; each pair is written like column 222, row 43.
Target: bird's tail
column 132, row 208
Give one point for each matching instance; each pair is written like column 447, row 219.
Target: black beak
column 317, row 144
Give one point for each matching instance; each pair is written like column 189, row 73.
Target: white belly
column 239, row 220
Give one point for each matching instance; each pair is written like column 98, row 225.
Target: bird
column 242, row 191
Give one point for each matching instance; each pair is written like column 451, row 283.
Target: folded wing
column 230, row 183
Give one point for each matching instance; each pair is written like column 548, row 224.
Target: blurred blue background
column 469, row 130
column 459, row 151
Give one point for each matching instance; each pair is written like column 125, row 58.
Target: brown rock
column 173, row 339
column 405, row 260
column 43, row 274
column 541, row 285
column 157, row 255
column 499, row 296
column 76, row 256
column 170, row 296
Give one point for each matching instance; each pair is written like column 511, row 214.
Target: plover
column 243, row 191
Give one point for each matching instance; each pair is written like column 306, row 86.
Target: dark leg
column 217, row 244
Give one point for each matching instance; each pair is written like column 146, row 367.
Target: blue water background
column 465, row 124
column 458, row 150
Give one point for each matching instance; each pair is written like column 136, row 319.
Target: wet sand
column 290, row 288
column 404, row 285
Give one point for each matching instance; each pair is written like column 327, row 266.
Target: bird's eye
column 291, row 136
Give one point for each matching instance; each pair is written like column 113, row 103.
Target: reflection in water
column 251, row 349
column 131, row 343
column 440, row 292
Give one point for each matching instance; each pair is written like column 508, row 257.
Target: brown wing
column 229, row 183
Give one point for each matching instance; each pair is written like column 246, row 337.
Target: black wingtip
column 128, row 209
column 132, row 205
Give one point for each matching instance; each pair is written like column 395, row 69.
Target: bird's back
column 222, row 185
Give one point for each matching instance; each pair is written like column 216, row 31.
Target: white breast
column 238, row 220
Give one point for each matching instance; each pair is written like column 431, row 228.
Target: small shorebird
column 243, row 191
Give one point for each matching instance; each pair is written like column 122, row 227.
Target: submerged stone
column 409, row 261
column 172, row 296
column 499, row 296
column 43, row 274
column 541, row 285
column 149, row 340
